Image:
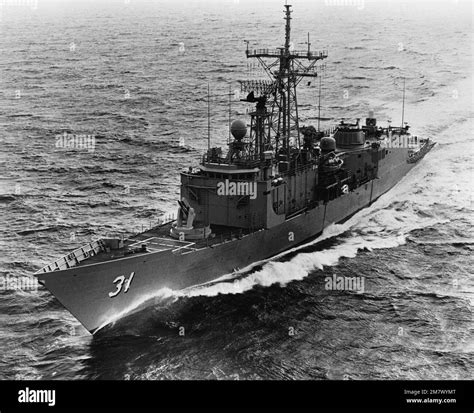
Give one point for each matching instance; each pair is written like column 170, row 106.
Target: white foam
column 161, row 295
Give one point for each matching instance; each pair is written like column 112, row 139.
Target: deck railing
column 249, row 161
column 295, row 53
column 74, row 258
column 166, row 219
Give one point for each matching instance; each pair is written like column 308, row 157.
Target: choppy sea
column 132, row 77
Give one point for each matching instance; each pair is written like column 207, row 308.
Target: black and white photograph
column 247, row 191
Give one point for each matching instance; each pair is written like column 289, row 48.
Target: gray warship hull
column 85, row 290
column 279, row 185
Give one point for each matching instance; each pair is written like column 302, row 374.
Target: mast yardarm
column 278, row 126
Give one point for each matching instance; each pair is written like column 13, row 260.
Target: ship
column 276, row 186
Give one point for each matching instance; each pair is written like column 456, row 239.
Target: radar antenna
column 286, row 70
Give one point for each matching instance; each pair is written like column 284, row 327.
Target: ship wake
column 386, row 224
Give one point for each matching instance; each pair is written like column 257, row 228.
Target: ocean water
column 132, row 76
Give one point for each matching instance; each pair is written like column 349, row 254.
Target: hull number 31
column 122, row 282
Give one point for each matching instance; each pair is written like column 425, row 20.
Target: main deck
column 153, row 240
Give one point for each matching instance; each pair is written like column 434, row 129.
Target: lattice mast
column 286, row 72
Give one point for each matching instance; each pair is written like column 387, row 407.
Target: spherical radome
column 238, row 128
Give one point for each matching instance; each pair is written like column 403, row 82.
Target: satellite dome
column 238, row 129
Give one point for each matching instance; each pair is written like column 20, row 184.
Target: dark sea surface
column 134, row 75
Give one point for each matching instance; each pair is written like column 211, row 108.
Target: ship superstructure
column 273, row 154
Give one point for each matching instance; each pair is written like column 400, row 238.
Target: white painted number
column 120, row 281
column 129, row 281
